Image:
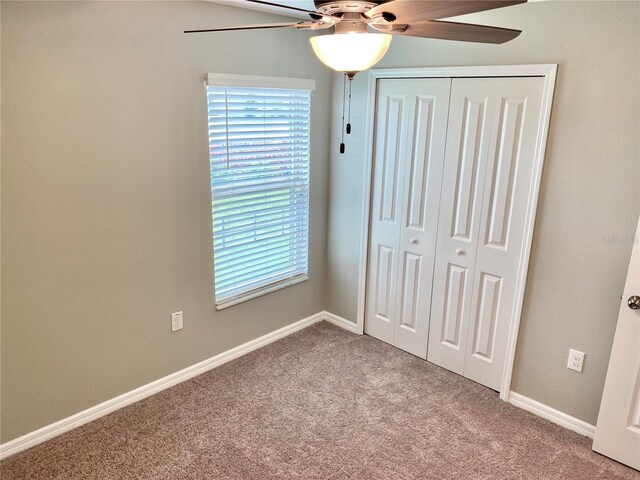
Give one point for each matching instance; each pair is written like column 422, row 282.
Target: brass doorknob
column 634, row 302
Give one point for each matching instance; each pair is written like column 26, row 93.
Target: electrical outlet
column 576, row 359
column 176, row 321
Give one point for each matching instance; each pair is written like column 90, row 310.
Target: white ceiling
column 306, row 4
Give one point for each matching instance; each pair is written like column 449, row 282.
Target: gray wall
column 589, row 199
column 106, row 220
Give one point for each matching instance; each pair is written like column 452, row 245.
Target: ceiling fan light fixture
column 351, row 52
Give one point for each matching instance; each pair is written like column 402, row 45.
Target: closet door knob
column 413, row 241
column 459, row 251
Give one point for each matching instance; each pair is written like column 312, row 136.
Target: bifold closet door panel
column 487, row 182
column 421, row 194
column 409, row 145
column 459, row 223
column 386, row 201
column 516, row 105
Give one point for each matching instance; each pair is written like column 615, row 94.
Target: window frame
column 233, row 80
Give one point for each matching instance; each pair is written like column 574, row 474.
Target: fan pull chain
column 344, row 93
column 349, row 114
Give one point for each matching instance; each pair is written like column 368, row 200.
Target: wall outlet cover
column 176, row 321
column 576, row 360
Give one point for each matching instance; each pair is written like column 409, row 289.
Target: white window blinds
column 259, row 157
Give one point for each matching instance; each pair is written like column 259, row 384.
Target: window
column 259, row 155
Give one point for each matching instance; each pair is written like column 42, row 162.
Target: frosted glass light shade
column 351, row 52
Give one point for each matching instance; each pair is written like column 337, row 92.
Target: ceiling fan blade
column 462, row 32
column 412, row 11
column 244, row 27
column 288, row 7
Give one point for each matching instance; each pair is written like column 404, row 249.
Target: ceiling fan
column 352, row 48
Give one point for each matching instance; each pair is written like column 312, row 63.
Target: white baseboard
column 341, row 322
column 551, row 414
column 50, row 431
column 45, row 433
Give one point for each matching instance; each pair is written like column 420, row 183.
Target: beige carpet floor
column 320, row 404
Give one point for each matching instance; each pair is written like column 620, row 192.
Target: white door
column 618, row 429
column 486, row 188
column 411, row 122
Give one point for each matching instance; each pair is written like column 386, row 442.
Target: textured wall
column 589, row 198
column 106, row 224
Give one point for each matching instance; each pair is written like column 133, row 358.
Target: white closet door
column 515, row 124
column 409, row 151
column 465, row 163
column 493, row 126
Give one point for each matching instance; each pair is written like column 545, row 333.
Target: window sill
column 230, row 302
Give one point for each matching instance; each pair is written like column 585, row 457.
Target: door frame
column 549, row 72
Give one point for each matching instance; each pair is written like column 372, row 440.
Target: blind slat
column 260, row 266
column 249, row 218
column 256, row 180
column 259, row 208
column 280, row 162
column 240, row 288
column 252, row 254
column 223, row 191
column 293, row 233
column 258, row 274
column 258, row 200
column 300, row 235
column 263, row 225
